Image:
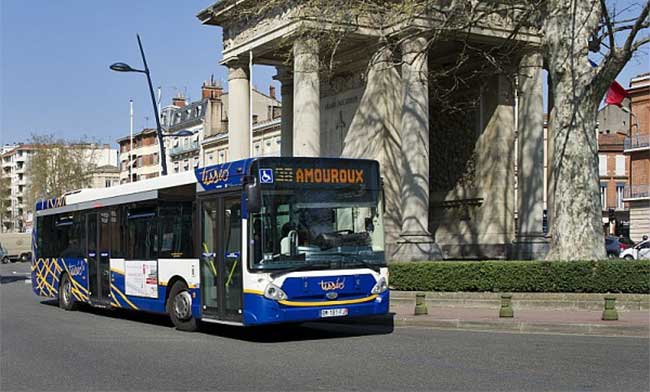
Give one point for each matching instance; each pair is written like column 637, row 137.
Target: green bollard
column 610, row 312
column 506, row 306
column 420, row 305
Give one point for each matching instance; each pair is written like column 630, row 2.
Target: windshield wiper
column 358, row 259
column 301, row 267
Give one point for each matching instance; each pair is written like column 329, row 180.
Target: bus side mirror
column 253, row 199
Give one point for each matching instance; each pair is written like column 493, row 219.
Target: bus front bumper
column 259, row 310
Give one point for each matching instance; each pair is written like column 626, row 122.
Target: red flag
column 616, row 94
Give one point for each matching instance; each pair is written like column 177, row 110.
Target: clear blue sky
column 54, row 58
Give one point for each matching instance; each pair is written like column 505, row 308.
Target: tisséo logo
column 266, row 176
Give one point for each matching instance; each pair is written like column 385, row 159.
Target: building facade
column 143, row 161
column 637, row 148
column 105, row 176
column 16, row 214
column 205, row 125
column 449, row 175
column 101, row 159
column 613, row 170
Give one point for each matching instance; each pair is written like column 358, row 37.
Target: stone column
column 415, row 243
column 239, row 111
column 285, row 77
column 306, row 98
column 530, row 235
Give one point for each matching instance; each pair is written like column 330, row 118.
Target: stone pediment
column 268, row 26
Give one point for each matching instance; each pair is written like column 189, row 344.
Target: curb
column 509, row 326
column 526, row 327
column 524, row 301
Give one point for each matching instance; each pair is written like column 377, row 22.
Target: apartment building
column 17, row 214
column 204, row 124
column 144, row 160
column 637, row 149
column 613, row 171
column 210, row 144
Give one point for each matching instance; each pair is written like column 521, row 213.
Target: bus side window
column 176, row 231
column 142, row 233
column 117, row 238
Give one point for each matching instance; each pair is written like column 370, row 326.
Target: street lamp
column 123, row 67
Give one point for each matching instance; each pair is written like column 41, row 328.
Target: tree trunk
column 575, row 213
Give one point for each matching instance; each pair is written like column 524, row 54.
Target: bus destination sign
column 317, row 173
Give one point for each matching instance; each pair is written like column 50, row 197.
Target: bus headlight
column 274, row 292
column 380, row 287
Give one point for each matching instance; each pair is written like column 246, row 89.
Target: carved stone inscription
column 337, row 113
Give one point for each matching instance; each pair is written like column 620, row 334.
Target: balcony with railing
column 183, row 148
column 637, row 192
column 637, row 143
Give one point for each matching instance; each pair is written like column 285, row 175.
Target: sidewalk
column 630, row 323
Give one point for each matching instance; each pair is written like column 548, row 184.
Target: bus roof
column 124, row 193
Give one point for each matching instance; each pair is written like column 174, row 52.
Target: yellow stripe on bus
column 74, row 282
column 124, row 297
column 330, row 303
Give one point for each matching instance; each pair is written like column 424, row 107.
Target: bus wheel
column 5, row 260
column 66, row 300
column 179, row 307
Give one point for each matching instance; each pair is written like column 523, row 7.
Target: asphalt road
column 46, row 348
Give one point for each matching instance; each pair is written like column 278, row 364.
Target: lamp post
column 131, row 140
column 122, row 67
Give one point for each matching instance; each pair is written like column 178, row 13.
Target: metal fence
column 637, row 141
column 637, row 191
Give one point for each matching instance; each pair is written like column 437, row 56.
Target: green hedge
column 615, row 276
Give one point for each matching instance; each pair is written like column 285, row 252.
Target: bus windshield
column 317, row 229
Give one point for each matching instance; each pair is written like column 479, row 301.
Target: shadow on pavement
column 376, row 325
column 300, row 332
column 123, row 314
column 4, row 279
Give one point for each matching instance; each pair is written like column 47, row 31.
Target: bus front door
column 97, row 253
column 221, row 264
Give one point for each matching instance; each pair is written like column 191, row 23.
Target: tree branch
column 616, row 59
column 641, row 20
column 640, row 43
column 610, row 28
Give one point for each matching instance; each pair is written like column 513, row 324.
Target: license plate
column 334, row 312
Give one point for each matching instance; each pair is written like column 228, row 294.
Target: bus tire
column 66, row 299
column 5, row 260
column 179, row 308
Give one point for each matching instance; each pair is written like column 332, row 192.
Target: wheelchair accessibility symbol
column 266, row 176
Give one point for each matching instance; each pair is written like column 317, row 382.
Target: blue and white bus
column 251, row 242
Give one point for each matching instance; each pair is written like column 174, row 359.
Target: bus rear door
column 98, row 256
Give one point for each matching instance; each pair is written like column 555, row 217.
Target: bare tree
column 57, row 167
column 571, row 29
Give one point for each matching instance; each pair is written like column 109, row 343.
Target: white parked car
column 639, row 251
